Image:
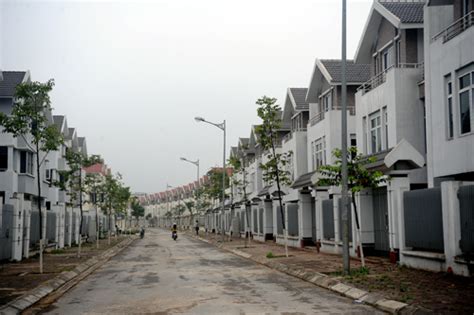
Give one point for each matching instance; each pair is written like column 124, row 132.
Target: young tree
column 359, row 178
column 137, row 210
column 71, row 180
column 274, row 170
column 29, row 120
column 116, row 197
column 94, row 186
column 239, row 164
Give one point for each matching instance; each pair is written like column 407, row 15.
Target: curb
column 326, row 282
column 34, row 295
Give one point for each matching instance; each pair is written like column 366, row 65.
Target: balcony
column 455, row 28
column 320, row 115
column 381, row 78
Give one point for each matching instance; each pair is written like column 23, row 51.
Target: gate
column 424, row 219
column 34, row 229
column 255, row 222
column 380, row 208
column 292, row 219
column 51, row 226
column 243, row 226
column 260, row 220
column 328, row 219
column 313, row 220
column 466, row 207
column 6, row 232
column 279, row 222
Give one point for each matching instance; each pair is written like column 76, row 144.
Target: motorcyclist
column 196, row 227
column 142, row 232
column 174, row 231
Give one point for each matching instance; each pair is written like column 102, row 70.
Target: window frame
column 377, row 131
column 469, row 90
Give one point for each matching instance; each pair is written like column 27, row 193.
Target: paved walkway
column 157, row 275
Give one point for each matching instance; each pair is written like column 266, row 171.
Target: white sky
column 132, row 75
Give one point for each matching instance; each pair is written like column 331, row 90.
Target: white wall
column 446, row 157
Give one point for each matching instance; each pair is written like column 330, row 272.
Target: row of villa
column 19, row 216
column 410, row 107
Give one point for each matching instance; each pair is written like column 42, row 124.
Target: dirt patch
column 18, row 278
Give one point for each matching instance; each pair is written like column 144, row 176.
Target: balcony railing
column 288, row 137
column 380, row 78
column 456, row 28
column 320, row 115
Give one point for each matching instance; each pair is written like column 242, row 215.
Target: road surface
column 157, row 275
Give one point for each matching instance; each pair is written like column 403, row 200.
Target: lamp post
column 222, row 127
column 344, row 190
column 168, row 197
column 192, row 162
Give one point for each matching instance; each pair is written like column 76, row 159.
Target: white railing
column 455, row 28
column 380, row 78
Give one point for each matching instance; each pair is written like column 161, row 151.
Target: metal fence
column 328, row 219
column 6, row 232
column 279, row 221
column 51, row 226
column 340, row 220
column 34, row 228
column 254, row 223
column 292, row 219
column 260, row 220
column 466, row 207
column 424, row 219
column 243, row 224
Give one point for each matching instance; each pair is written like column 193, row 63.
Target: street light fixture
column 192, row 162
column 221, row 126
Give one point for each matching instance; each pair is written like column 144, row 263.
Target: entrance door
column 380, row 207
column 313, row 220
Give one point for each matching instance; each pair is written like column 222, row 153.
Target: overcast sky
column 132, row 75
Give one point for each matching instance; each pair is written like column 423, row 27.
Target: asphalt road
column 157, row 275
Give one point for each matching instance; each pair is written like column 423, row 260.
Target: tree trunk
column 40, row 212
column 359, row 234
column 282, row 213
column 97, row 226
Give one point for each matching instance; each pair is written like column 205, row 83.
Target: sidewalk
column 18, row 278
column 422, row 290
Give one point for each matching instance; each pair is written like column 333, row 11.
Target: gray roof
column 58, row 121
column 356, row 72
column 10, row 80
column 81, row 140
column 407, row 12
column 303, row 180
column 299, row 95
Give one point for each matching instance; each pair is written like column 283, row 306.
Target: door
column 380, row 207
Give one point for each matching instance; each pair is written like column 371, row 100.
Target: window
column 353, row 140
column 3, row 158
column 318, row 149
column 26, row 162
column 327, row 101
column 465, row 102
column 364, row 135
column 375, row 133
column 2, row 196
column 385, row 60
column 450, row 110
column 385, row 124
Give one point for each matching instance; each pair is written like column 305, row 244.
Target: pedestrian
column 196, row 227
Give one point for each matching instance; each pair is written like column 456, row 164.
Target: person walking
column 196, row 227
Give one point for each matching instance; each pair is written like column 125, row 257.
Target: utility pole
column 344, row 190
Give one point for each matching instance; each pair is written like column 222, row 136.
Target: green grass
column 270, row 255
column 58, row 251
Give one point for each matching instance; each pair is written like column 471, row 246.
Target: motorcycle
column 174, row 235
column 142, row 233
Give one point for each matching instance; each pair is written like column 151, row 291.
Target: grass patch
column 57, row 251
column 270, row 255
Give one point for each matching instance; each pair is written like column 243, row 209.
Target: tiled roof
column 407, row 12
column 356, row 73
column 10, row 80
column 299, row 95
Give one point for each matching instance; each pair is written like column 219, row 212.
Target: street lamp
column 222, row 127
column 192, row 162
column 168, row 198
